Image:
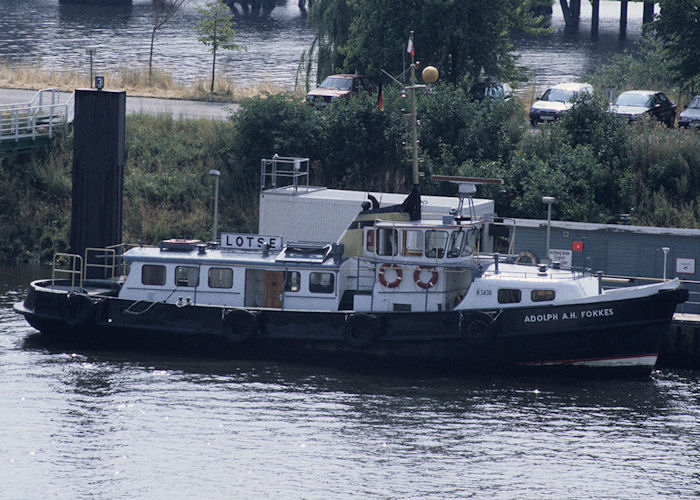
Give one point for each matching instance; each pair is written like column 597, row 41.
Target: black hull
column 620, row 337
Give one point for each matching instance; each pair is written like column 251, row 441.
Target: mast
column 414, row 197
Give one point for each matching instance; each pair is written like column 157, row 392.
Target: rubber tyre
column 78, row 310
column 477, row 329
column 360, row 330
column 240, row 325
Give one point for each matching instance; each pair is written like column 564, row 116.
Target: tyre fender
column 79, row 310
column 360, row 330
column 476, row 328
column 240, row 325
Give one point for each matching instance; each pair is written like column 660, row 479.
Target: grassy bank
column 135, row 81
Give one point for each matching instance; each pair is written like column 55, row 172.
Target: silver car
column 691, row 116
column 556, row 101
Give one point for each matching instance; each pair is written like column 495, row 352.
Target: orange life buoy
column 397, row 270
column 429, row 284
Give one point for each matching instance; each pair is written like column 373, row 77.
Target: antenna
column 467, row 187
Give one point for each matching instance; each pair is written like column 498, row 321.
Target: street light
column 665, row 250
column 548, row 200
column 91, row 51
column 215, row 174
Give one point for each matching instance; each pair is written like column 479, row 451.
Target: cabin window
column 412, row 243
column 152, row 275
column 457, row 240
column 542, row 295
column 292, row 281
column 435, row 242
column 370, row 240
column 186, row 276
column 387, row 241
column 321, row 283
column 220, row 277
column 509, row 296
column 468, row 247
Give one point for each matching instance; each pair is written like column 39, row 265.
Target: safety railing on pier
column 42, row 117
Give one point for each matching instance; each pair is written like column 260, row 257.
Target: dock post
column 98, row 169
column 623, row 18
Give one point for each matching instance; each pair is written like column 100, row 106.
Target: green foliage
column 216, row 31
column 369, row 35
column 678, row 26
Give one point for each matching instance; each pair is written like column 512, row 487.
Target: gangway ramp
column 26, row 124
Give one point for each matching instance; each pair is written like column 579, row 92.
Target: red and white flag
column 409, row 49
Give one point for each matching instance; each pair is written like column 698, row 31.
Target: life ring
column 360, row 330
column 476, row 328
column 522, row 256
column 397, row 270
column 240, row 325
column 78, row 310
column 433, row 279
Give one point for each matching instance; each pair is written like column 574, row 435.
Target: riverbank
column 163, row 84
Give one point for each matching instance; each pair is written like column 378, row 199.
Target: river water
column 80, row 423
column 54, row 36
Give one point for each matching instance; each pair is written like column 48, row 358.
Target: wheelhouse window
column 186, row 276
column 412, row 243
column 370, row 240
column 457, row 240
column 387, row 241
column 292, row 281
column 542, row 295
column 153, row 275
column 321, row 283
column 469, row 244
column 509, row 296
column 220, row 277
column 435, row 242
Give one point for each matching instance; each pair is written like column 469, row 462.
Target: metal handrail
column 72, row 269
column 39, row 117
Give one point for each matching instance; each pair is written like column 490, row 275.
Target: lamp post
column 215, row 174
column 548, row 200
column 665, row 250
column 91, row 51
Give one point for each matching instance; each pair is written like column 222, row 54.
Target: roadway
column 177, row 108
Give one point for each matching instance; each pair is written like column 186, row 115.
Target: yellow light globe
column 430, row 74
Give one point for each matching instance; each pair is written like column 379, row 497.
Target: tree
column 163, row 11
column 678, row 25
column 216, row 31
column 369, row 35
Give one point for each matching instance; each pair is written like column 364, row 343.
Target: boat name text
column 250, row 241
column 586, row 313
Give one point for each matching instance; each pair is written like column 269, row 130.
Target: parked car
column 690, row 117
column 335, row 86
column 635, row 104
column 556, row 101
column 491, row 89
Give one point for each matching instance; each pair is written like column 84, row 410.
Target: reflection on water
column 87, row 422
column 55, row 36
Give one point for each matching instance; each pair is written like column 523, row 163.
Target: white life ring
column 433, row 279
column 525, row 255
column 397, row 270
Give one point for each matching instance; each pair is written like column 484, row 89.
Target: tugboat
column 396, row 288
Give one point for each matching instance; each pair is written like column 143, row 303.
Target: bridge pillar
column 98, row 169
column 595, row 16
column 623, row 18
